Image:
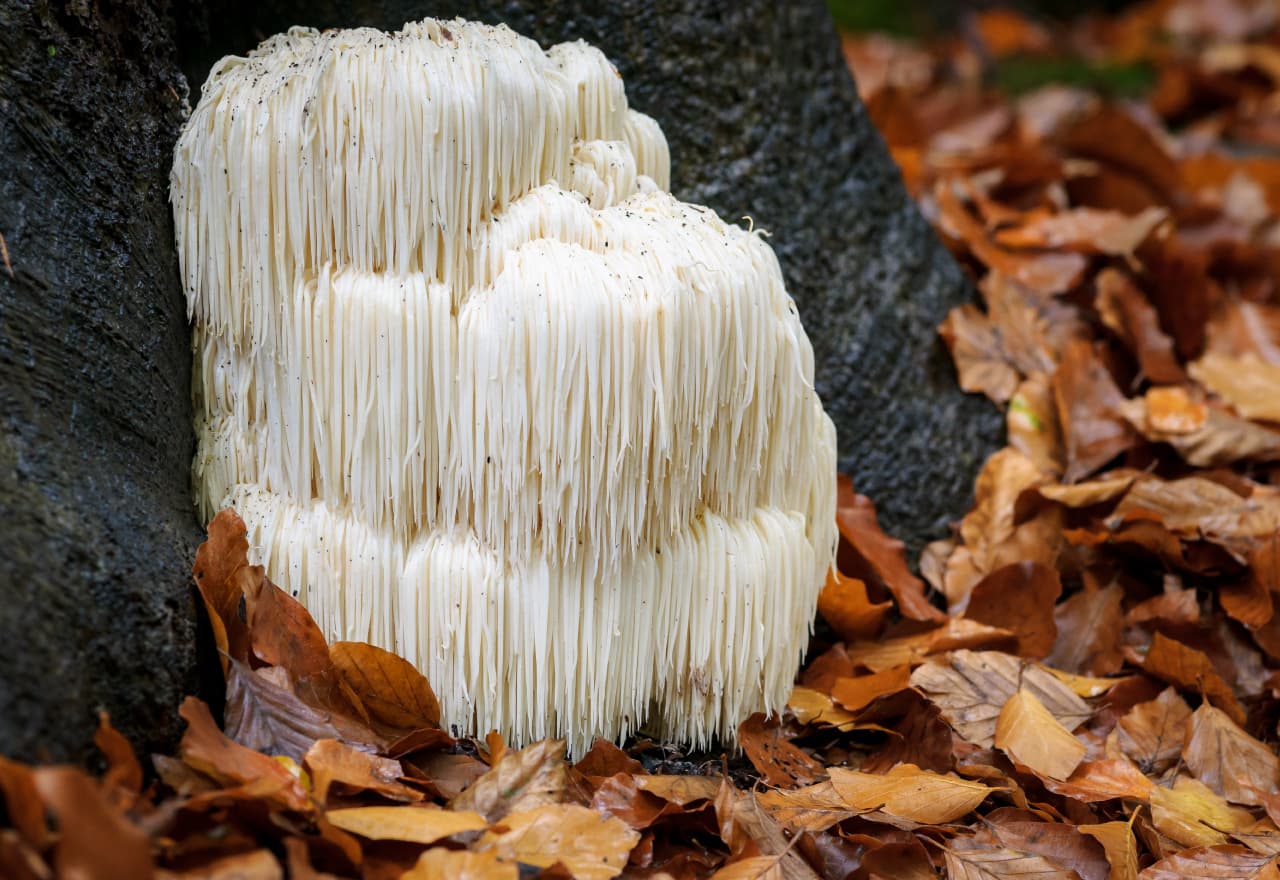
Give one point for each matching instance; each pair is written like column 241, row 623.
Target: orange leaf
column 1019, row 597
column 856, row 693
column 1031, row 736
column 1190, row 669
column 778, row 760
column 392, row 691
column 843, row 603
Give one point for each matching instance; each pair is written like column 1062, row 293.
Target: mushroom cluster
column 487, row 395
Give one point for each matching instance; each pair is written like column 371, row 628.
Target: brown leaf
column 1084, row 229
column 919, row 737
column 1029, row 734
column 1020, row 598
column 439, row 863
column 394, row 693
column 777, row 759
column 858, row 692
column 534, row 776
column 814, row 707
column 844, row 604
column 94, row 839
column 1128, row 314
column 207, row 750
column 972, row 687
column 957, row 632
column 411, row 824
column 879, row 557
column 591, row 845
column 908, row 792
column 813, row 808
column 1153, row 733
column 1089, row 411
column 618, row 795
column 1090, row 624
column 1121, row 847
column 1191, row 814
column 329, row 762
column 1185, row 667
column 751, row 868
column 682, row 790
column 124, row 773
column 1204, row 435
column 1061, row 844
column 1103, row 780
column 258, row 864
column 1228, row 760
column 264, row 714
column 1245, row 382
column 1032, row 424
column 281, row 631
column 221, row 569
column 605, row 759
column 981, row 362
column 22, row 802
column 998, row 863
column 1226, row 862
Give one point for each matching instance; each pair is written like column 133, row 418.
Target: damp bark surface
column 95, row 419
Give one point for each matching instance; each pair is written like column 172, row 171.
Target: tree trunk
column 97, row 529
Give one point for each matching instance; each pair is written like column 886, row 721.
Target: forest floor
column 1084, row 680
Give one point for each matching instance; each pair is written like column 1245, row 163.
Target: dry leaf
column 908, row 792
column 1029, row 734
column 1228, row 760
column 682, row 790
column 1181, row 665
column 813, row 808
column 534, row 776
column 330, row 761
column 843, row 603
column 1153, row 733
column 94, row 839
column 1093, row 428
column 972, row 687
column 446, row 864
column 857, row 692
column 393, row 692
column 996, row 864
column 1103, row 780
column 1092, row 622
column 778, row 760
column 1226, row 862
column 814, row 707
column 1193, row 815
column 1245, row 382
column 591, row 845
column 1020, row 598
column 1121, row 847
column 407, row 824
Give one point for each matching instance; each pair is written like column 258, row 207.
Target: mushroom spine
column 488, row 395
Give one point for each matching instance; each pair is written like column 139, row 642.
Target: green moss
column 1020, row 74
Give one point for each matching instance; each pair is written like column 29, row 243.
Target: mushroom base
column 683, row 641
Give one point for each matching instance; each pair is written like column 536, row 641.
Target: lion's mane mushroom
column 489, row 396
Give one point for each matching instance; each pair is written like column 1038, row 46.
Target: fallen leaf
column 1191, row 814
column 209, row 751
column 814, row 707
column 329, row 761
column 751, row 868
column 264, row 714
column 259, row 864
column 220, row 570
column 1206, row 436
column 1251, row 386
column 1153, row 733
column 1187, row 668
column 1062, row 844
column 886, row 654
column 972, row 687
column 1128, row 314
column 1122, row 849
column 1031, row 423
column 981, row 362
column 23, row 805
column 1020, row 598
column 1228, row 760
column 94, row 839
column 777, row 759
column 1225, row 862
column 1032, row 737
column 394, row 692
column 1091, row 624
column 1103, row 780
column 843, row 603
column 1084, row 229
column 859, row 691
column 878, row 556
column 532, row 777
column 908, row 792
column 592, row 846
column 446, row 864
column 604, row 759
column 1088, row 402
column 408, row 824
column 813, row 808
column 682, row 790
column 999, row 863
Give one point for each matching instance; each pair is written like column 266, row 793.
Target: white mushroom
column 487, row 395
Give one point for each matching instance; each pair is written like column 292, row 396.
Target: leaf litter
column 1082, row 681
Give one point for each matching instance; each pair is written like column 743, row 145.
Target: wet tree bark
column 96, row 527
column 763, row 121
